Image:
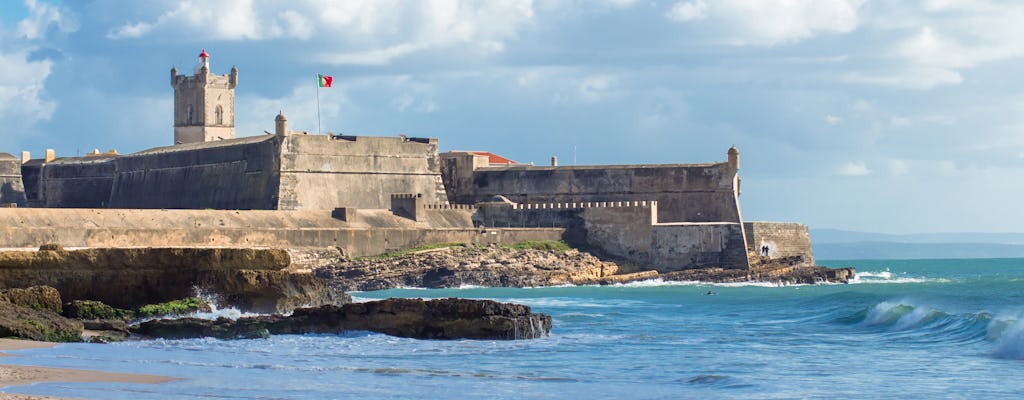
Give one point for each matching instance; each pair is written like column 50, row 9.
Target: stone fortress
column 369, row 195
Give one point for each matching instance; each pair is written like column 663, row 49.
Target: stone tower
column 204, row 104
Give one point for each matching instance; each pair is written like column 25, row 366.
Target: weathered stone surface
column 38, row 297
column 457, row 266
column 35, row 324
column 495, row 266
column 250, row 279
column 413, row 318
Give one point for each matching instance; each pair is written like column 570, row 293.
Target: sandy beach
column 16, row 375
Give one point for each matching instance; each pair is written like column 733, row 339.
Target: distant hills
column 834, row 244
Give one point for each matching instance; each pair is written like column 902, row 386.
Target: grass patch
column 554, row 245
column 405, row 252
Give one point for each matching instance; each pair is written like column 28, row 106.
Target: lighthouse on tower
column 204, row 103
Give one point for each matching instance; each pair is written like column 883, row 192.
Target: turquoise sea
column 906, row 328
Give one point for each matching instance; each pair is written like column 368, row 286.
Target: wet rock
column 37, row 324
column 261, row 280
column 94, row 310
column 413, row 318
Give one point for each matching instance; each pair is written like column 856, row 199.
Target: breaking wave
column 1002, row 336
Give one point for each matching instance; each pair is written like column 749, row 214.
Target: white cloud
column 406, row 102
column 832, row 120
column 372, row 57
column 769, row 23
column 40, row 16
column 22, row 95
column 595, row 87
column 222, row 20
column 854, row 168
column 688, row 11
column 898, row 167
column 359, row 32
column 909, row 78
column 900, row 122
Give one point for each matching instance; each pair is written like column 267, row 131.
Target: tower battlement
column 204, row 104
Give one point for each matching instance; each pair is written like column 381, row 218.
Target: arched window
column 220, row 115
column 188, row 115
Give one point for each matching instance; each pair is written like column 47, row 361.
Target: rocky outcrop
column 37, row 324
column 413, row 318
column 250, row 279
column 457, row 266
column 38, row 297
column 783, row 271
column 496, row 266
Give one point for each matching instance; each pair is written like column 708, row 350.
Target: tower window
column 220, row 115
column 188, row 115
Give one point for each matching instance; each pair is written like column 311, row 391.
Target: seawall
column 366, row 233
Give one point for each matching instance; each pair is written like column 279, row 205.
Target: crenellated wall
column 685, row 192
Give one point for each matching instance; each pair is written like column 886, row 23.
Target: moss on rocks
column 176, row 307
column 90, row 309
column 44, row 325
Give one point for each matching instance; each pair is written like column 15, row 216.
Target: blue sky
column 894, row 117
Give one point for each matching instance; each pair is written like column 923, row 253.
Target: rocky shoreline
column 496, row 266
column 309, row 285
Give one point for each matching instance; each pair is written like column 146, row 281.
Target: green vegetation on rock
column 29, row 323
column 411, row 250
column 89, row 309
column 176, row 307
column 554, row 245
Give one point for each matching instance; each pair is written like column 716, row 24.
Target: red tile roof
column 492, row 158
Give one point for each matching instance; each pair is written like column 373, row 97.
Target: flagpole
column 318, row 104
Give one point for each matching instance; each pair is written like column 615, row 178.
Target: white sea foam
column 1008, row 334
column 887, row 276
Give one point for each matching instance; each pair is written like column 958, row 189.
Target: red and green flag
column 324, row 80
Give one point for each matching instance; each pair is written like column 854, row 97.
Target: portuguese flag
column 324, row 80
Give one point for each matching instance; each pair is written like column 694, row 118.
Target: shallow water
column 919, row 328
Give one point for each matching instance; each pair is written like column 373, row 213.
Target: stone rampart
column 12, row 190
column 229, row 174
column 322, row 172
column 77, row 182
column 685, row 192
column 629, row 230
column 373, row 232
column 784, row 239
column 697, row 245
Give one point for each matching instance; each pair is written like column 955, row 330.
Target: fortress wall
column 78, row 182
column 319, row 172
column 31, row 174
column 685, row 192
column 623, row 232
column 231, row 174
column 784, row 239
column 12, row 190
column 698, row 245
column 30, row 228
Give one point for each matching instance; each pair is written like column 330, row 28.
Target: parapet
column 582, row 205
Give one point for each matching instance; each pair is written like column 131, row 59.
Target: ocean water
column 913, row 329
